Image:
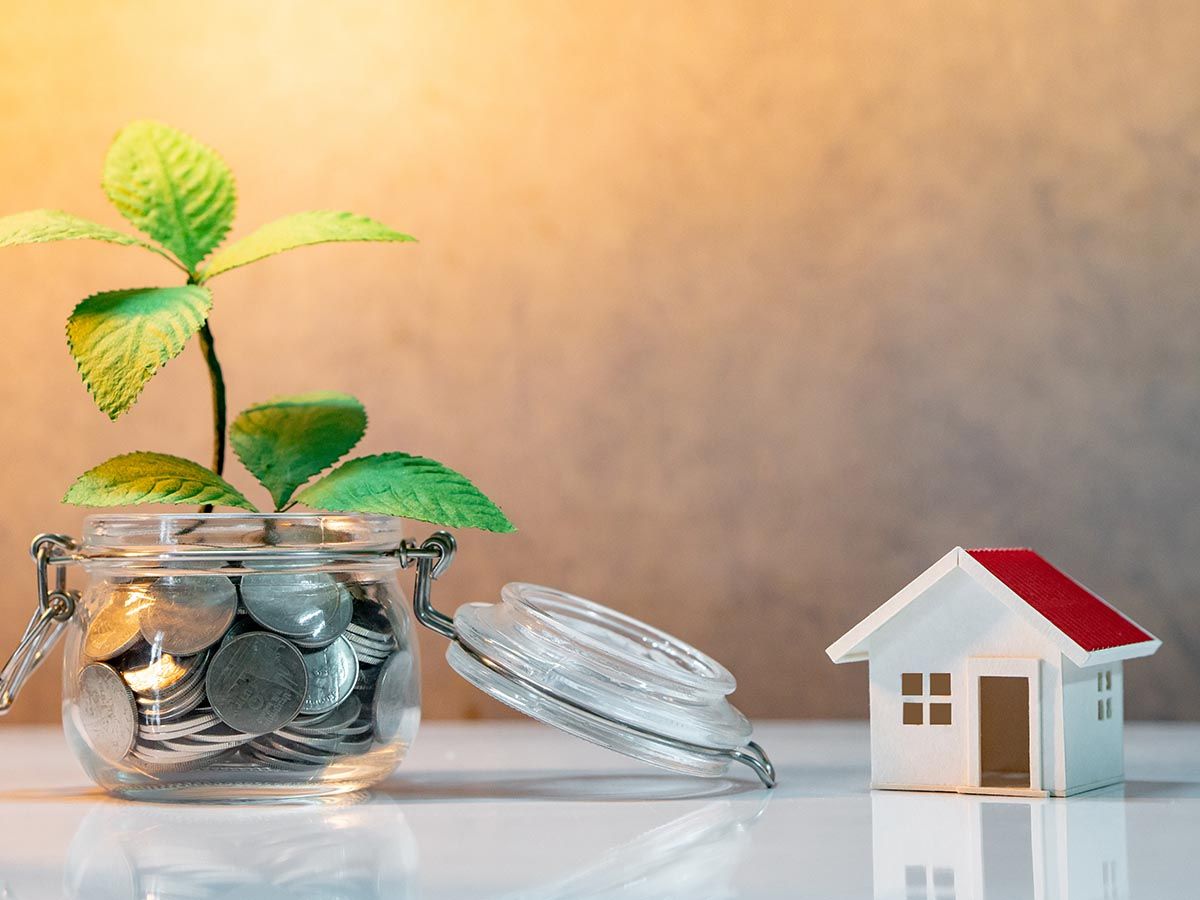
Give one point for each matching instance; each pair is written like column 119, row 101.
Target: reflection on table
column 952, row 847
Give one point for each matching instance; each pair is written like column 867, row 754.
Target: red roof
column 1071, row 608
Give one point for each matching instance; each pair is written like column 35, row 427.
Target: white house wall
column 955, row 619
column 1094, row 748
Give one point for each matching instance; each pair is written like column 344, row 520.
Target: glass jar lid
column 562, row 660
column 592, row 672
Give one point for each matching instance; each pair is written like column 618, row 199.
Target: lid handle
column 54, row 608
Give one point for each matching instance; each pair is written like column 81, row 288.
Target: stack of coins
column 287, row 670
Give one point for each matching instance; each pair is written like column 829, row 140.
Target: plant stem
column 218, row 402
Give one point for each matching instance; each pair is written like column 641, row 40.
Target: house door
column 1004, row 731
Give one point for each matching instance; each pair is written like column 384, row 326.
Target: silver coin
column 366, row 657
column 175, row 707
column 393, row 694
column 241, row 625
column 353, row 745
column 221, row 734
column 332, row 673
column 153, row 731
column 344, row 715
column 370, row 635
column 195, row 745
column 160, row 753
column 113, row 628
column 194, row 676
column 294, row 604
column 187, row 613
column 150, row 672
column 107, row 711
column 326, row 744
column 286, row 750
column 333, row 626
column 257, row 683
column 272, row 761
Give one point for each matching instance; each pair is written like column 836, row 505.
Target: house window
column 928, row 883
column 912, row 684
column 1103, row 703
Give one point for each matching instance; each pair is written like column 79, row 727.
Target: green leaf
column 153, row 478
column 396, row 484
column 300, row 230
column 40, row 226
column 287, row 440
column 121, row 338
column 171, row 187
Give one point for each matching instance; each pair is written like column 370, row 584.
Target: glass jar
column 240, row 656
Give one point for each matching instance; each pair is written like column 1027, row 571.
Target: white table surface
column 516, row 810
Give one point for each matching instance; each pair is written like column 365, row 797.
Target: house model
column 995, row 673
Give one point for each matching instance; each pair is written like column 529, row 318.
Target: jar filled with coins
column 243, row 657
column 234, row 656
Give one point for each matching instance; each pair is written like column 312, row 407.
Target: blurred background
column 745, row 312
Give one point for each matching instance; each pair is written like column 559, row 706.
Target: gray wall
column 745, row 312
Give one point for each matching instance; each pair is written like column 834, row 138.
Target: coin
column 285, row 750
column 257, row 682
column 160, row 753
column 274, row 761
column 154, row 731
column 367, row 657
column 294, row 604
column 220, row 734
column 188, row 612
column 173, row 707
column 240, row 625
column 148, row 671
column 331, row 676
column 114, row 628
column 341, row 717
column 333, row 626
column 394, row 696
column 106, row 711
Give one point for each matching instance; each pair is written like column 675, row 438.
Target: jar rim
column 171, row 535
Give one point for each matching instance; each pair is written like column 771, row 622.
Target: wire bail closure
column 54, row 608
column 434, row 556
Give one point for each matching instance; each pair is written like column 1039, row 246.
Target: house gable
column 854, row 646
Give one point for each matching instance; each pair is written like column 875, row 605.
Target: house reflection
column 963, row 847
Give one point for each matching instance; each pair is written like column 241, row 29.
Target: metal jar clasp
column 55, row 606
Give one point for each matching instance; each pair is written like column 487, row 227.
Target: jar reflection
column 353, row 852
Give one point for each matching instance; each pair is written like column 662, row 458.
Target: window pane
column 939, row 684
column 1100, row 710
column 912, row 714
column 1099, row 681
column 1108, row 680
column 943, row 884
column 939, row 713
column 1108, row 708
column 911, row 684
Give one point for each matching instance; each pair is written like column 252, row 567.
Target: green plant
column 181, row 194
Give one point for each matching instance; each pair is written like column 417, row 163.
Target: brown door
column 1003, row 731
